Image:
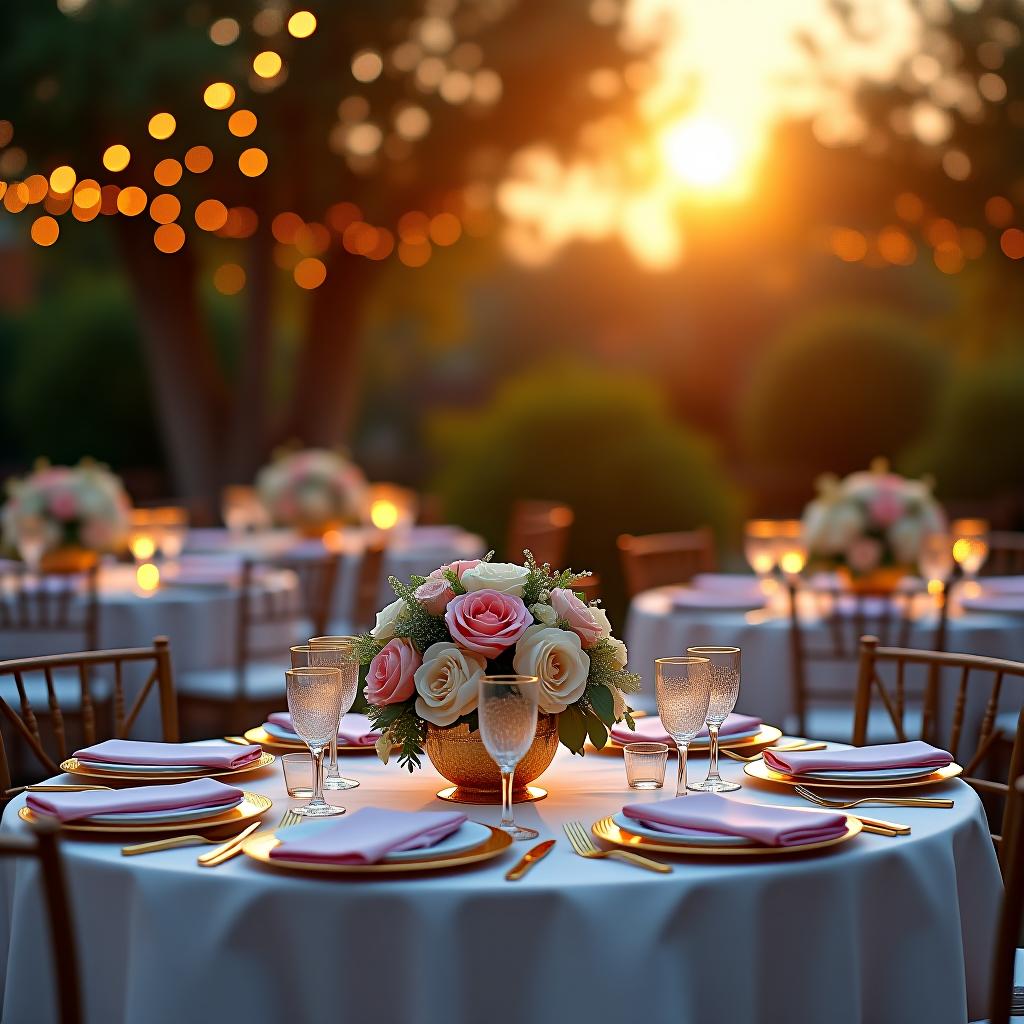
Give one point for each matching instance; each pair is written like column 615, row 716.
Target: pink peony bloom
column 864, row 554
column 64, row 505
column 435, row 595
column 390, row 675
column 457, row 567
column 487, row 622
column 887, row 507
column 569, row 607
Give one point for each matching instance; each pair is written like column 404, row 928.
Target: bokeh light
column 164, row 208
column 199, row 159
column 169, row 237
column 267, row 64
column 45, row 231
column 37, row 187
column 116, row 157
column 302, row 24
column 224, row 31
column 167, row 173
column 252, row 162
column 131, row 201
column 229, row 279
column 219, row 95
column 242, row 123
column 1012, row 243
column 414, row 254
column 285, row 226
column 445, row 229
column 62, row 179
column 162, row 125
column 211, row 214
column 367, row 66
column 310, row 273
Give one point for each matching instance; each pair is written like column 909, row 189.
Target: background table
column 656, row 629
column 880, row 930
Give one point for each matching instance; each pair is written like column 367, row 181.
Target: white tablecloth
column 657, row 629
column 880, row 930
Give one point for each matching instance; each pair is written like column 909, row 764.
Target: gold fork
column 584, row 846
column 155, row 845
column 878, row 801
column 803, row 745
column 234, row 847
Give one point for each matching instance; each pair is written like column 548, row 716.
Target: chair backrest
column 369, row 584
column 25, row 722
column 883, row 672
column 58, row 603
column 1011, row 917
column 541, row 527
column 659, row 559
column 42, row 845
column 826, row 623
column 1005, row 554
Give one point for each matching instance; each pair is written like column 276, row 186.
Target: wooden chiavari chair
column 1004, row 997
column 661, row 559
column 970, row 669
column 42, row 845
column 270, row 619
column 24, row 722
column 1005, row 554
column 63, row 605
column 843, row 616
column 369, row 586
column 541, row 527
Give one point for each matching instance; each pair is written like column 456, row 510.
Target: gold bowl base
column 460, row 795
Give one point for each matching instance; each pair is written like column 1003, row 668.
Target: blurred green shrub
column 75, row 382
column 837, row 389
column 601, row 442
column 976, row 449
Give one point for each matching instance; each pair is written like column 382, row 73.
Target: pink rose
column 435, row 595
column 390, row 676
column 886, row 507
column 487, row 622
column 457, row 567
column 864, row 555
column 64, row 504
column 569, row 607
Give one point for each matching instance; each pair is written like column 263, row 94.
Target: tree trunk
column 323, row 407
column 186, row 382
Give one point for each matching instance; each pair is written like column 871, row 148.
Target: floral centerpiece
column 871, row 522
column 312, row 490
column 66, row 515
column 424, row 657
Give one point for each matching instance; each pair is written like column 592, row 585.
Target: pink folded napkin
column 139, row 752
column 721, row 815
column 914, row 754
column 368, row 835
column 650, row 729
column 182, row 796
column 355, row 730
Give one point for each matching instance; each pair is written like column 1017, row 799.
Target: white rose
column 600, row 617
column 905, row 539
column 504, row 577
column 844, row 525
column 544, row 614
column 557, row 658
column 618, row 651
column 384, row 628
column 446, row 683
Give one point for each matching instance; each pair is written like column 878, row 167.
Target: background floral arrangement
column 424, row 657
column 870, row 519
column 311, row 488
column 76, row 506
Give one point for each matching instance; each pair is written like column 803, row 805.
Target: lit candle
column 147, row 576
column 390, row 507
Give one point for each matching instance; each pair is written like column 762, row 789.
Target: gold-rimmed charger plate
column 74, row 767
column 252, row 806
column 765, row 737
column 260, row 845
column 607, row 829
column 265, row 739
column 759, row 770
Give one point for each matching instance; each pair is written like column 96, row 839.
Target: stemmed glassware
column 315, row 702
column 32, row 542
column 970, row 546
column 336, row 652
column 759, row 547
column 684, row 692
column 508, row 724
column 724, row 678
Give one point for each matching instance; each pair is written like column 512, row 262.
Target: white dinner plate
column 290, row 737
column 691, row 837
column 145, row 769
column 714, row 601
column 872, row 775
column 181, row 814
column 465, row 837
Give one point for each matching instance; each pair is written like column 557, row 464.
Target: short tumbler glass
column 298, row 774
column 645, row 765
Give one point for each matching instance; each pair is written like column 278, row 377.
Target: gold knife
column 226, row 850
column 531, row 857
column 889, row 826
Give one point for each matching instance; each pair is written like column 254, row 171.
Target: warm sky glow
column 702, row 152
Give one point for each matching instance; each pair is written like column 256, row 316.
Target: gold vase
column 68, row 559
column 459, row 755
column 885, row 580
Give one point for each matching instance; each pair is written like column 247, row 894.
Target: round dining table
column 878, row 929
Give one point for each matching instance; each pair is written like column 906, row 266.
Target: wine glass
column 314, row 702
column 970, row 546
column 759, row 547
column 32, row 541
column 508, row 724
column 724, row 678
column 684, row 693
column 339, row 651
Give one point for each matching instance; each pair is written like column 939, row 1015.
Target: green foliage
column 604, row 670
column 416, row 623
column 404, row 728
column 572, row 728
column 976, row 449
column 602, row 442
column 838, row 389
column 543, row 577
